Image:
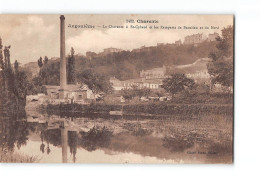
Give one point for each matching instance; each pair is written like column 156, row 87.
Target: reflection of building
column 195, row 38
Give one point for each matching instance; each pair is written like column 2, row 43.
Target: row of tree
column 221, row 67
column 49, row 74
column 13, row 82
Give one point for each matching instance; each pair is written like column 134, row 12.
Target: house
column 195, row 38
column 212, row 37
column 152, row 83
column 177, row 42
column 116, row 84
column 111, row 50
column 153, row 73
column 160, row 44
column 138, row 82
column 199, row 75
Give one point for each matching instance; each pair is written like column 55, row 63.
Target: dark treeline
column 13, row 82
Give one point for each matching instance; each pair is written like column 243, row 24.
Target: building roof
column 71, row 87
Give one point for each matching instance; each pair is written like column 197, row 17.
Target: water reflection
column 104, row 138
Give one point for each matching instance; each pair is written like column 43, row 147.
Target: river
column 118, row 139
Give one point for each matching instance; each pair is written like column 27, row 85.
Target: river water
column 104, row 138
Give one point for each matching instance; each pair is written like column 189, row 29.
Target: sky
column 34, row 36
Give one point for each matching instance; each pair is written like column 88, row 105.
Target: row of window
column 147, row 85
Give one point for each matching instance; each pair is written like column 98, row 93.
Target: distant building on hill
column 195, row 38
column 177, row 42
column 142, row 49
column 160, row 44
column 212, row 37
column 90, row 55
column 138, row 82
column 111, row 50
column 151, row 79
column 153, row 73
column 199, row 75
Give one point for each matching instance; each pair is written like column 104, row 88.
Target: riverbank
column 8, row 157
column 158, row 108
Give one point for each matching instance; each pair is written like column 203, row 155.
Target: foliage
column 96, row 82
column 221, row 66
column 178, row 143
column 134, row 91
column 40, row 63
column 128, row 64
column 46, row 60
column 16, row 133
column 73, row 142
column 21, row 84
column 16, row 65
column 177, row 83
column 36, row 86
column 71, row 68
column 127, row 94
column 95, row 138
column 221, row 72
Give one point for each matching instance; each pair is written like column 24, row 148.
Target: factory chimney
column 63, row 74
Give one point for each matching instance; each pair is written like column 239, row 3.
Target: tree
column 71, row 68
column 40, row 63
column 45, row 71
column 7, row 56
column 221, row 72
column 21, row 84
column 177, row 83
column 96, row 82
column 127, row 94
column 2, row 67
column 1, row 55
column 16, row 65
column 36, row 86
column 46, row 60
column 221, row 66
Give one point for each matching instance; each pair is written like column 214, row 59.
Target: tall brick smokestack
column 63, row 74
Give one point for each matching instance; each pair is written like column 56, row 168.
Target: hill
column 198, row 65
column 128, row 64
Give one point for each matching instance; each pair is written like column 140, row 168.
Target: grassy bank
column 7, row 157
column 158, row 108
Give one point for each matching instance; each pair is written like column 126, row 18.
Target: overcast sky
column 32, row 36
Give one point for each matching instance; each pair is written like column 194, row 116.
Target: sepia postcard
column 116, row 89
